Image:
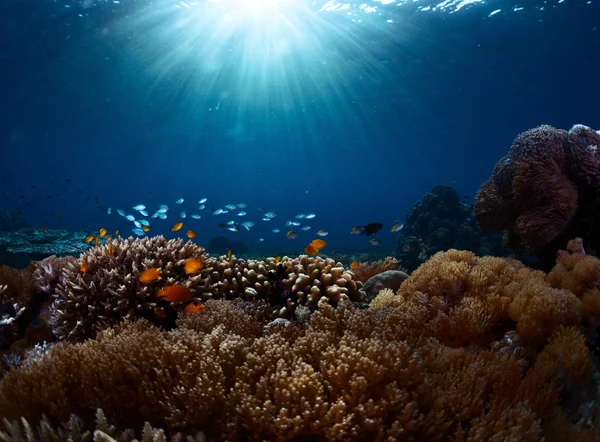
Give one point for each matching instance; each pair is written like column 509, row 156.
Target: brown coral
column 534, row 192
column 349, row 375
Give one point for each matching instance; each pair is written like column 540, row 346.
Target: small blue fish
column 203, row 200
column 241, row 206
column 248, row 224
column 260, row 240
column 300, row 216
column 375, row 242
column 322, row 233
column 310, row 216
column 196, row 216
column 109, row 210
column 144, row 222
column 183, row 214
column 276, row 230
column 218, row 212
column 139, row 207
column 120, row 212
column 155, row 214
column 305, row 228
column 295, row 223
column 130, row 218
column 137, row 224
column 231, row 206
column 288, row 223
column 179, row 201
column 201, row 207
column 233, row 228
column 241, row 214
column 270, row 215
column 143, row 212
column 138, row 232
column 162, row 215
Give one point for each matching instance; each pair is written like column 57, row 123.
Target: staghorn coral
column 109, row 290
column 349, row 374
column 366, row 270
column 544, row 191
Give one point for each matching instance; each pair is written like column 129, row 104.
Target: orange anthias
column 193, row 308
column 310, row 250
column 177, row 226
column 193, row 266
column 191, row 234
column 175, row 293
column 318, row 243
column 354, row 265
column 149, row 275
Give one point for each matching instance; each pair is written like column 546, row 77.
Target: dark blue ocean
column 350, row 111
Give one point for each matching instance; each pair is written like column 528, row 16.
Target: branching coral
column 103, row 287
column 543, row 191
column 348, row 375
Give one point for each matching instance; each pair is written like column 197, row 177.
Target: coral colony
column 159, row 340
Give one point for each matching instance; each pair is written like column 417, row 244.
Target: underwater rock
column 390, row 279
column 18, row 249
column 11, row 220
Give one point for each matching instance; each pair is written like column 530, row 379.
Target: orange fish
column 191, row 234
column 193, row 307
column 160, row 312
column 102, row 232
column 277, row 259
column 406, row 247
column 89, row 239
column 229, row 254
column 310, row 250
column 318, row 243
column 193, row 266
column 83, row 267
column 108, row 238
column 177, row 226
column 149, row 275
column 175, row 293
column 354, row 265
column 146, row 229
column 116, row 233
column 111, row 251
column 97, row 240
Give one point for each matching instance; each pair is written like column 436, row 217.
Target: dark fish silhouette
column 367, row 230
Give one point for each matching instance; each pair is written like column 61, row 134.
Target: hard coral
column 367, row 270
column 544, row 190
column 108, row 290
column 306, row 281
column 347, row 375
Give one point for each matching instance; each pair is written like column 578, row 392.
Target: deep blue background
column 439, row 100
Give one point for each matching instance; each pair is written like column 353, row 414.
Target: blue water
column 351, row 111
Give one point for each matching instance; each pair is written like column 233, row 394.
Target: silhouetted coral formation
column 439, row 222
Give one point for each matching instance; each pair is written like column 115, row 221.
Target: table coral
column 543, row 191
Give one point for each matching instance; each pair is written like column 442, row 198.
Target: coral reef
column 19, row 248
column 103, row 287
column 468, row 348
column 544, row 191
column 308, row 281
column 348, row 375
column 440, row 221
